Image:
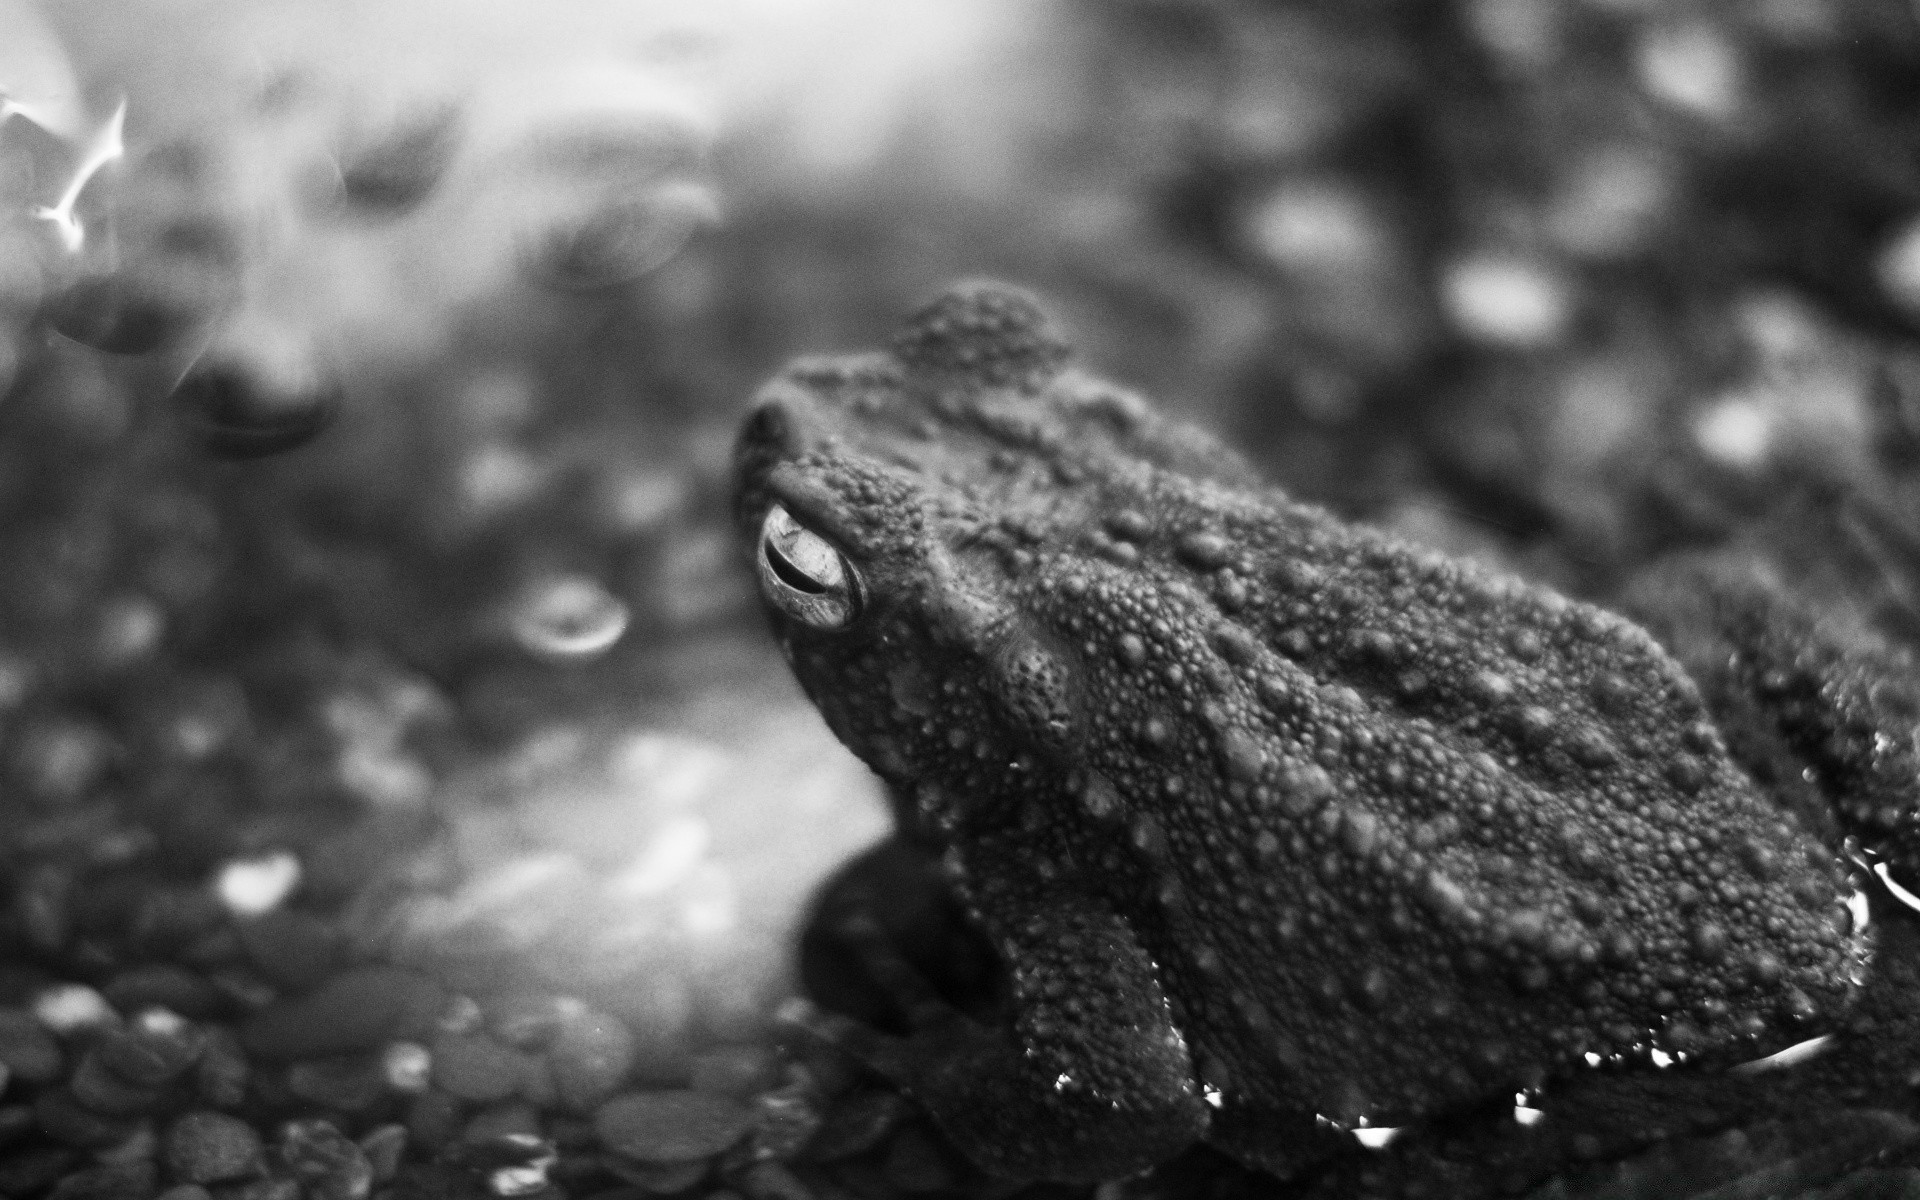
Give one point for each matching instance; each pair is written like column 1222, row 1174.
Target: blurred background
column 375, row 656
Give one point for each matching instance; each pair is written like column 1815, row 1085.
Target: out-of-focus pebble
column 221, row 1076
column 31, row 1172
column 1506, row 301
column 68, row 1008
column 252, row 887
column 165, row 985
column 477, row 1068
column 514, row 1118
column 27, row 1050
column 771, row 1180
column 856, row 1123
column 384, row 1146
column 211, row 1147
column 659, row 1179
column 329, row 1163
column 739, row 1071
column 295, row 950
column 433, row 1119
column 590, row 1057
column 672, row 1125
column 360, row 1009
column 64, row 1118
column 150, row 1054
column 346, row 1083
column 117, row 1181
column 408, row 1067
column 185, row 1191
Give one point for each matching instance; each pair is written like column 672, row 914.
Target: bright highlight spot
column 1894, row 889
column 572, row 616
column 105, row 146
column 251, row 887
column 1792, row 1056
column 1506, row 301
column 69, row 1007
column 1736, row 431
column 1377, row 1138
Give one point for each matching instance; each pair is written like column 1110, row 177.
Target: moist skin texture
column 1283, row 827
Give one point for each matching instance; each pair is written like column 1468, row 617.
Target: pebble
column 330, row 1164
column 384, row 1146
column 477, row 1068
column 27, row 1050
column 771, row 1180
column 346, row 1083
column 103, row 1091
column 185, row 1191
column 221, row 1076
column 590, row 1058
column 360, row 1009
column 64, row 1118
column 856, row 1123
column 659, row 1179
column 118, row 1181
column 294, row 950
column 515, row 1118
column 32, row 1171
column 210, row 1147
column 737, row 1071
column 433, row 1119
column 69, row 1008
column 16, row 1121
column 162, row 985
column 672, row 1125
column 408, row 1067
column 148, row 1057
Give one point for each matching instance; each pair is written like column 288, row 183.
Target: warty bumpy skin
column 1389, row 833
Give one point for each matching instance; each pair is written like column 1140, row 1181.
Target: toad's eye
column 803, row 576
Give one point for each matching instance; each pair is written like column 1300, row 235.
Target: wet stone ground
column 398, row 795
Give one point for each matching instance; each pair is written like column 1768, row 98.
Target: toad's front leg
column 1088, row 1079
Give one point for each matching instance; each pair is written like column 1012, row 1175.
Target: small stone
column 294, row 950
column 771, row 1180
column 672, row 1125
column 16, row 1121
column 68, row 1008
column 590, row 1058
column 221, row 1077
column 408, row 1067
column 101, row 1090
column 347, row 1083
column 162, row 985
column 148, row 1057
column 857, row 1123
column 515, row 1118
column 30, row 1172
column 360, row 1009
column 658, row 1179
column 210, row 1147
column 64, row 1118
column 272, row 1188
column 433, row 1119
column 115, row 1181
column 27, row 1049
column 515, row 1164
column 475, row 1067
column 185, row 1191
column 384, row 1146
column 737, row 1071
column 330, row 1165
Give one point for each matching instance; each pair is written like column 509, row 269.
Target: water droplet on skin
column 1205, row 550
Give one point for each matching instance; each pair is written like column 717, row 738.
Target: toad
column 1285, row 830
